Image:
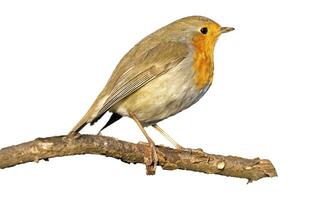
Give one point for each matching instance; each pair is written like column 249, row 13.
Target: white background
column 56, row 56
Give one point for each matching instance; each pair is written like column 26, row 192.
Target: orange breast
column 203, row 61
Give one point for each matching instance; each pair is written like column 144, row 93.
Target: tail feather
column 91, row 116
column 79, row 126
column 94, row 120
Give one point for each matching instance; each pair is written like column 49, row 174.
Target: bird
column 162, row 75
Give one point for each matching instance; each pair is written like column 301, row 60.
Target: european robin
column 163, row 74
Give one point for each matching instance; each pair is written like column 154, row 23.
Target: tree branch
column 169, row 159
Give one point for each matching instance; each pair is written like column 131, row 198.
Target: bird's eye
column 204, row 30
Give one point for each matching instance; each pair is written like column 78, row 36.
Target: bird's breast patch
column 203, row 61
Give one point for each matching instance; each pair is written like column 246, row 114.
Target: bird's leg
column 151, row 158
column 177, row 146
column 169, row 138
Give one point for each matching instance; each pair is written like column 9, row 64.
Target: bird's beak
column 226, row 29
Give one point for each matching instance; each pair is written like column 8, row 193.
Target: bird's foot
column 198, row 150
column 151, row 159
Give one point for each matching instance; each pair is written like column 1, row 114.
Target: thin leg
column 153, row 154
column 169, row 138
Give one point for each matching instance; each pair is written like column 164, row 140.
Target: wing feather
column 131, row 75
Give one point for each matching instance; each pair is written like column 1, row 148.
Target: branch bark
column 169, row 159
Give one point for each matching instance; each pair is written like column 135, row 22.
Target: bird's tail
column 89, row 117
column 80, row 125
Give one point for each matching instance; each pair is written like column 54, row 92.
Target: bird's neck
column 203, row 61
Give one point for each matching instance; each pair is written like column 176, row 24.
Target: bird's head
column 197, row 29
column 201, row 34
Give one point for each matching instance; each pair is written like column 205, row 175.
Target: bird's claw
column 151, row 159
column 198, row 150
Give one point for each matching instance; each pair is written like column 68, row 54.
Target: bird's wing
column 142, row 67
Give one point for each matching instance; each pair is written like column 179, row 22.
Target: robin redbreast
column 163, row 74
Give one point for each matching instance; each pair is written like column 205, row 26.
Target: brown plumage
column 163, row 74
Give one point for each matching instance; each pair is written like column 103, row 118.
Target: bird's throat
column 203, row 64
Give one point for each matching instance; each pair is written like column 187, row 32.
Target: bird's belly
column 162, row 97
